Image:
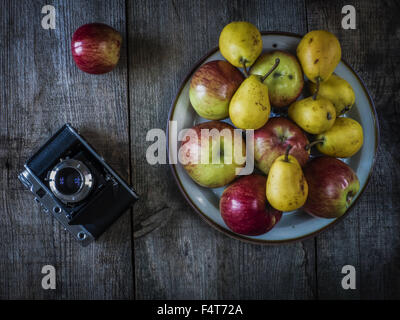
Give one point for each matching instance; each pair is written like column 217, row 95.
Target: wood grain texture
column 41, row 89
column 184, row 258
column 175, row 254
column 368, row 238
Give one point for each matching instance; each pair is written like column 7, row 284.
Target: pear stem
column 316, row 88
column 246, row 73
column 308, row 147
column 287, row 152
column 277, row 60
column 345, row 109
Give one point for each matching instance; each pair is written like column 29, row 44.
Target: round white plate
column 294, row 225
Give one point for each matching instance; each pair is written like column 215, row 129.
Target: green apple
column 212, row 160
column 286, row 82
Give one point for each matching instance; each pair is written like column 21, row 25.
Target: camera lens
column 68, row 181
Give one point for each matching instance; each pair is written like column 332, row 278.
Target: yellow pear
column 250, row 106
column 343, row 140
column 287, row 188
column 240, row 43
column 319, row 53
column 313, row 115
column 338, row 91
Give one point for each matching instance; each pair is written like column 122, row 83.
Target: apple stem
column 308, row 147
column 316, row 88
column 287, row 152
column 246, row 73
column 349, row 196
column 277, row 60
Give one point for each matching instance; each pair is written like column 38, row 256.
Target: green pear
column 250, row 106
column 313, row 115
column 319, row 53
column 240, row 43
column 343, row 140
column 287, row 189
column 336, row 90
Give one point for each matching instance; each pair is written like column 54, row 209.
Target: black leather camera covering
column 111, row 196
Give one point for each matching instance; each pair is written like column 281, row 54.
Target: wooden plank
column 185, row 258
column 41, row 89
column 369, row 237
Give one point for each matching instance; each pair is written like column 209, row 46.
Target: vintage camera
column 73, row 183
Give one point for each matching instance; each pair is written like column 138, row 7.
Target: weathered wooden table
column 183, row 257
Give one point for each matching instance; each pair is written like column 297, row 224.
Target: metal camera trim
column 85, row 187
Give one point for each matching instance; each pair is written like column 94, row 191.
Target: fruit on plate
column 286, row 82
column 287, row 188
column 313, row 115
column 212, row 87
column 336, row 90
column 272, row 140
column 96, row 48
column 343, row 140
column 319, row 53
column 245, row 209
column 240, row 43
column 203, row 155
column 250, row 106
column 332, row 187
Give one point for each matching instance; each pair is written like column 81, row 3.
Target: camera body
column 72, row 182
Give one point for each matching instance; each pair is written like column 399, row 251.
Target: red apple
column 272, row 140
column 332, row 186
column 245, row 209
column 96, row 48
column 197, row 147
column 212, row 87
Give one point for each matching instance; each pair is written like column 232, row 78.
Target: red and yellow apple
column 212, row 87
column 215, row 159
column 272, row 140
column 96, row 48
column 245, row 209
column 332, row 186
